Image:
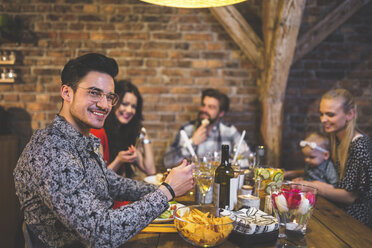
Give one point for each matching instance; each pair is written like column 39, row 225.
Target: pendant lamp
column 193, row 3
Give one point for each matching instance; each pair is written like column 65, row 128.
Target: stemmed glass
column 203, row 175
column 252, row 160
column 293, row 205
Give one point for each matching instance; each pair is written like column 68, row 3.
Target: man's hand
column 180, row 178
column 200, row 135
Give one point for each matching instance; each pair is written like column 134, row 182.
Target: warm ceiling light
column 193, row 3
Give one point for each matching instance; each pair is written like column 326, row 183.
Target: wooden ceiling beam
column 326, row 26
column 241, row 32
column 283, row 20
column 269, row 17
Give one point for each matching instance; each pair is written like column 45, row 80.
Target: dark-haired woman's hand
column 126, row 156
column 129, row 156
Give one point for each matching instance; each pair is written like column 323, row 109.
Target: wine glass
column 203, row 175
column 293, row 205
column 252, row 160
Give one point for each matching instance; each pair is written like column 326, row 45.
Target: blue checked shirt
column 221, row 134
column 325, row 172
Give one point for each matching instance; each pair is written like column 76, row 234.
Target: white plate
column 152, row 179
column 158, row 220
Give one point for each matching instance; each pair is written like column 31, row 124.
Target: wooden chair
column 26, row 235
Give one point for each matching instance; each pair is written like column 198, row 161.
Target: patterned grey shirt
column 325, row 172
column 66, row 192
column 220, row 134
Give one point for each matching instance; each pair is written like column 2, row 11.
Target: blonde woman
column 352, row 154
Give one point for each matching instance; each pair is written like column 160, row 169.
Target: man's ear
column 66, row 93
column 326, row 155
column 221, row 114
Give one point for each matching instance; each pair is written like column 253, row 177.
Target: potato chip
column 203, row 228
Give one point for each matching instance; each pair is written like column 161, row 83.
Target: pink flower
column 293, row 197
column 311, row 197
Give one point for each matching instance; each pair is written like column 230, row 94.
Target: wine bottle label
column 216, row 194
column 225, row 195
column 233, row 192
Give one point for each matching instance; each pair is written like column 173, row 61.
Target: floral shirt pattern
column 358, row 177
column 66, row 192
column 221, row 134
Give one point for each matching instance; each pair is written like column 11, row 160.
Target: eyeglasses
column 97, row 95
column 312, row 145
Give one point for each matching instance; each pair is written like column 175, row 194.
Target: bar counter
column 329, row 226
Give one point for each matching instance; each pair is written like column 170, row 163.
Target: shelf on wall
column 7, row 80
column 7, row 62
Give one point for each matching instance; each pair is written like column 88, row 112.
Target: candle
column 248, row 201
column 238, row 148
column 291, row 226
column 188, row 143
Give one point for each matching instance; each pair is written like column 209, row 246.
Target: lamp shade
column 193, row 3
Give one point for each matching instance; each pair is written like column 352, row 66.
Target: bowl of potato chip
column 203, row 225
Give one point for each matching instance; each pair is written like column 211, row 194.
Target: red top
column 101, row 134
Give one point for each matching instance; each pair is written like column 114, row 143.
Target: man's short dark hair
column 77, row 68
column 222, row 98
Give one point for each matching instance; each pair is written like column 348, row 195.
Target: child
column 319, row 166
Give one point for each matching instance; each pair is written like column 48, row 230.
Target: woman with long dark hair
column 126, row 145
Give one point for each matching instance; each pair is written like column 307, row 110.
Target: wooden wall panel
column 9, row 208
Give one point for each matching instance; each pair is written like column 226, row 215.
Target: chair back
column 26, row 235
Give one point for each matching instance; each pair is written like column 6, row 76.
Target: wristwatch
column 146, row 141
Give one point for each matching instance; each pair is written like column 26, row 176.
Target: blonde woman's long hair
column 340, row 152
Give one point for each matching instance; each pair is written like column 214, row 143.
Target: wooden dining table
column 329, row 226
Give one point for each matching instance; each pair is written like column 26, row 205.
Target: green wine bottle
column 222, row 180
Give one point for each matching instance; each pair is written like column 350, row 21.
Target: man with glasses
column 66, row 193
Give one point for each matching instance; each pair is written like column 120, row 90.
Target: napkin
column 253, row 221
column 158, row 228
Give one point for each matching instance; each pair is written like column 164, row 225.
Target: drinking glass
column 203, row 175
column 242, row 158
column 252, row 160
column 293, row 205
column 267, row 179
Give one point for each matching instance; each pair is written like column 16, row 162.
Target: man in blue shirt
column 207, row 133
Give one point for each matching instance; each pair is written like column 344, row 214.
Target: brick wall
column 172, row 55
column 344, row 60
